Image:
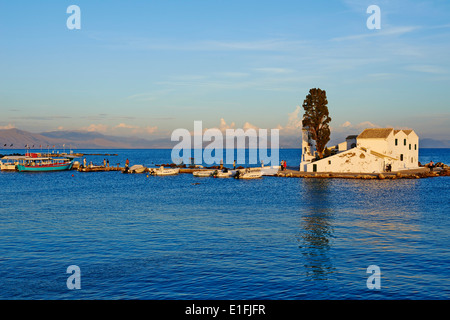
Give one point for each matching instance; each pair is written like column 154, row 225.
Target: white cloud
column 248, row 125
column 388, row 31
column 224, row 126
column 426, row 69
column 366, row 124
column 346, row 124
column 96, row 128
column 274, row 70
column 125, row 126
column 150, row 130
column 121, row 128
column 8, row 126
column 294, row 122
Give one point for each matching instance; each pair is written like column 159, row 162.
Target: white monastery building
column 372, row 151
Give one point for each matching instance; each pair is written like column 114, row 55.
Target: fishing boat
column 44, row 164
column 161, row 171
column 203, row 173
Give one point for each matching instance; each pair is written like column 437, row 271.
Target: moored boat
column 9, row 163
column 41, row 164
column 202, row 173
column 221, row 174
column 248, row 174
column 137, row 168
column 161, row 171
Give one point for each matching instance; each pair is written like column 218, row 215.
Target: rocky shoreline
column 406, row 174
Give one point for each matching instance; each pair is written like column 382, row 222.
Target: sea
column 107, row 236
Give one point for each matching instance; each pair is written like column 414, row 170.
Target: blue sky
column 148, row 67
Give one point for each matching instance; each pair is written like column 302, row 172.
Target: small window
column 412, row 159
column 329, row 161
column 415, row 146
column 396, row 142
column 410, row 146
column 404, row 142
column 401, row 157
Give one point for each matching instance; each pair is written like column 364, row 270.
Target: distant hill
column 433, row 143
column 18, row 139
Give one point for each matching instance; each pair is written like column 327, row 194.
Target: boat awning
column 14, row 157
column 34, row 159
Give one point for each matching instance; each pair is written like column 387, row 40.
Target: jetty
column 99, row 169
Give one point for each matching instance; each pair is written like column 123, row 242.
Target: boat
column 221, row 174
column 161, row 171
column 137, row 168
column 203, row 173
column 248, row 174
column 44, row 164
column 270, row 171
column 10, row 163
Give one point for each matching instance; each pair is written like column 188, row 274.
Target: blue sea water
column 182, row 237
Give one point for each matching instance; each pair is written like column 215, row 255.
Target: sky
column 146, row 68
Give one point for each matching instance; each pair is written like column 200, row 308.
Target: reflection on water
column 316, row 229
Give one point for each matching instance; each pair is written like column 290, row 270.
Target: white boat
column 203, row 173
column 161, row 171
column 221, row 174
column 248, row 174
column 137, row 168
column 270, row 171
column 9, row 163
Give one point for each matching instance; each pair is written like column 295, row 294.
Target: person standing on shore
column 284, row 165
column 127, row 163
column 234, row 164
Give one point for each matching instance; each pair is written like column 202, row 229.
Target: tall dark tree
column 316, row 118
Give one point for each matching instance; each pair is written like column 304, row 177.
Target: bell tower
column 308, row 149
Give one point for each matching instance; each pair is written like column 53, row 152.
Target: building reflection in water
column 316, row 229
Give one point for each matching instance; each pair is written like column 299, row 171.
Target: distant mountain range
column 18, row 139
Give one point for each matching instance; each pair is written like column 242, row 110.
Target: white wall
column 354, row 160
column 407, row 148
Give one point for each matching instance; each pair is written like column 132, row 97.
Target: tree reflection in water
column 316, row 229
